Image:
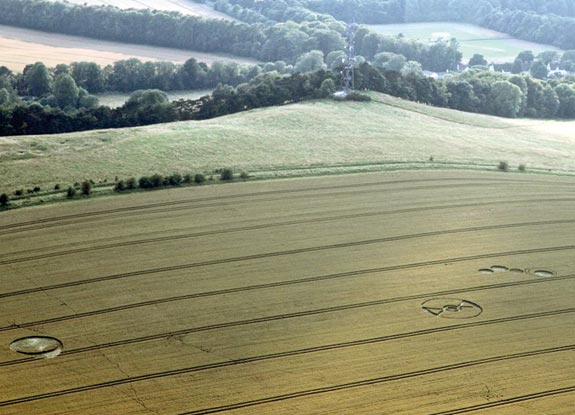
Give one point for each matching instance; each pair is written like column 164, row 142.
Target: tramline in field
column 401, row 293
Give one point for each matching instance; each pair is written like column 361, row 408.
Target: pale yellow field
column 20, row 47
column 300, row 296
column 181, row 6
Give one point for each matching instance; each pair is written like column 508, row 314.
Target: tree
column 66, row 91
column 4, row 200
column 38, row 79
column 327, row 88
column 227, row 175
column 71, row 192
column 4, row 96
column 412, row 68
column 505, row 99
column 309, row 62
column 539, row 70
column 477, row 59
column 86, row 188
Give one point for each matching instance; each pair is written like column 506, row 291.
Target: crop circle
column 39, row 346
column 451, row 308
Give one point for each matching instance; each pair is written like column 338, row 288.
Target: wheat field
column 414, row 293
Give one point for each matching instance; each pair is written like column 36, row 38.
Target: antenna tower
column 349, row 64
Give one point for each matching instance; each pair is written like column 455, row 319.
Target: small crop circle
column 39, row 346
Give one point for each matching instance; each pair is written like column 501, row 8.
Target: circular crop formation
column 452, row 308
column 38, row 346
column 500, row 269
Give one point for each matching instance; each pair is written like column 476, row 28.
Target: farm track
column 318, row 299
column 314, row 350
column 74, row 219
column 260, row 227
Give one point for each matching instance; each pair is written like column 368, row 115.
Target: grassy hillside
column 495, row 46
column 310, row 137
column 21, row 47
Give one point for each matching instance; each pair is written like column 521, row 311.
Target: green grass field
column 300, row 139
column 114, row 100
column 495, row 46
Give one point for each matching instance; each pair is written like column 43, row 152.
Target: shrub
column 187, row 178
column 36, row 189
column 244, row 175
column 226, row 175
column 4, row 200
column 131, row 183
column 57, row 187
column 120, row 186
column 87, row 188
column 199, row 178
column 157, row 180
column 71, row 192
column 145, row 182
column 175, row 179
column 503, row 166
column 19, row 192
column 77, row 185
column 29, row 191
column 522, row 168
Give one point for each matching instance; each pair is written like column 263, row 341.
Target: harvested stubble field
column 20, row 47
column 181, row 6
column 299, row 296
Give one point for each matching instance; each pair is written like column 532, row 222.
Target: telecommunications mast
column 349, row 61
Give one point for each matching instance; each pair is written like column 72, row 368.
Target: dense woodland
column 550, row 22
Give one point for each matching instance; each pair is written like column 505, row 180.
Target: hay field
column 300, row 139
column 182, row 6
column 357, row 294
column 20, row 47
column 495, row 46
column 116, row 99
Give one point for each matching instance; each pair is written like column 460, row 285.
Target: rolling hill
column 313, row 137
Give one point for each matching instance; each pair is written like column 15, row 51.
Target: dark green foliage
column 86, row 188
column 175, row 179
column 522, row 168
column 157, row 180
column 145, row 182
column 120, row 186
column 227, row 175
column 244, row 175
column 199, row 178
column 131, row 183
column 36, row 189
column 19, row 192
column 503, row 166
column 57, row 187
column 4, row 200
column 71, row 192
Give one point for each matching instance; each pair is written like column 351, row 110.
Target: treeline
column 473, row 91
column 153, row 107
column 550, row 22
column 132, row 74
column 143, row 26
